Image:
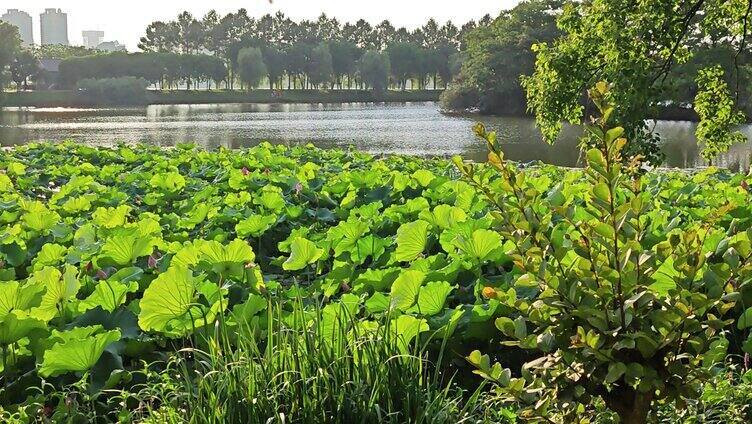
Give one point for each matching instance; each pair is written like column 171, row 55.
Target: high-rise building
column 23, row 22
column 92, row 39
column 54, row 27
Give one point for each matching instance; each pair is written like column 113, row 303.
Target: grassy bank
column 69, row 98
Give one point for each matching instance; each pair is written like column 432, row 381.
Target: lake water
column 409, row 128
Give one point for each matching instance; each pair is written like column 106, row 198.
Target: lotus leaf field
column 115, row 257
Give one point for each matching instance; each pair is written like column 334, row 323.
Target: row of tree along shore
column 95, row 97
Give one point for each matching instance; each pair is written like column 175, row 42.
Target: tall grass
column 298, row 374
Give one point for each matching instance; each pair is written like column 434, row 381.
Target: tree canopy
column 638, row 49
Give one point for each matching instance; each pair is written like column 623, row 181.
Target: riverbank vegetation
column 178, row 285
column 542, row 56
column 71, row 98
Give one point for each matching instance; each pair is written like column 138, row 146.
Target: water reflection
column 409, row 128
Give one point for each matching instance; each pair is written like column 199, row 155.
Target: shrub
column 123, row 90
column 620, row 301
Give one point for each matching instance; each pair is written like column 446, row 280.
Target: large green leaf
column 109, row 294
column 111, row 217
column 59, row 287
column 432, row 298
column 17, row 297
column 411, row 240
column 405, row 288
column 126, row 249
column 169, row 304
column 303, row 252
column 255, row 225
column 227, row 260
column 76, row 350
column 480, row 246
column 16, row 325
column 406, row 328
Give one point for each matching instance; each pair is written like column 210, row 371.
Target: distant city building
column 54, row 27
column 23, row 22
column 111, row 46
column 92, row 38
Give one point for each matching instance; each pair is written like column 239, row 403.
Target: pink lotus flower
column 245, row 171
column 152, row 262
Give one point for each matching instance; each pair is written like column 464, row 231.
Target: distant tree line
column 165, row 70
column 315, row 54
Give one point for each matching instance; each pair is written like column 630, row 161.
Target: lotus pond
column 115, row 258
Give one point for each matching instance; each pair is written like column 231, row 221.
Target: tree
column 404, row 61
column 251, row 66
column 374, row 69
column 606, row 41
column 10, row 42
column 160, row 37
column 275, row 61
column 345, row 55
column 24, row 66
column 498, row 53
column 319, row 68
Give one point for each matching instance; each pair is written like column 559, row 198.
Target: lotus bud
column 245, row 171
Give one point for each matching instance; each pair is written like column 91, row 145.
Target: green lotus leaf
column 229, row 260
column 271, row 199
column 462, row 229
column 411, row 240
column 171, row 182
column 50, row 255
column 432, row 298
column 404, row 291
column 16, row 325
column 336, row 315
column 76, row 350
column 303, row 252
column 255, row 225
column 369, row 246
column 346, row 234
column 444, row 216
column 378, row 302
column 423, row 177
column 480, row 246
column 111, row 217
column 406, row 328
column 17, row 297
column 38, row 218
column 126, row 249
column 169, row 305
column 59, row 287
column 77, row 204
column 108, row 294
column 197, row 215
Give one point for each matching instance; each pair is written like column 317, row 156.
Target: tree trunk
column 631, row 406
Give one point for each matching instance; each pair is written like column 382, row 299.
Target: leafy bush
column 619, row 303
column 123, row 90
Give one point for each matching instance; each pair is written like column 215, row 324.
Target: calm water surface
column 410, row 128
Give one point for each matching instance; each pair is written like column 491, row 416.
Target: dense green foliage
column 605, row 41
column 165, row 70
column 9, row 45
column 615, row 310
column 497, row 54
column 115, row 91
column 295, row 51
column 112, row 257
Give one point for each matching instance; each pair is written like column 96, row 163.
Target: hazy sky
column 126, row 20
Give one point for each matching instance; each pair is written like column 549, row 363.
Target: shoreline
column 69, row 98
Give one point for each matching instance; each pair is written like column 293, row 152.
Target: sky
column 126, row 20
